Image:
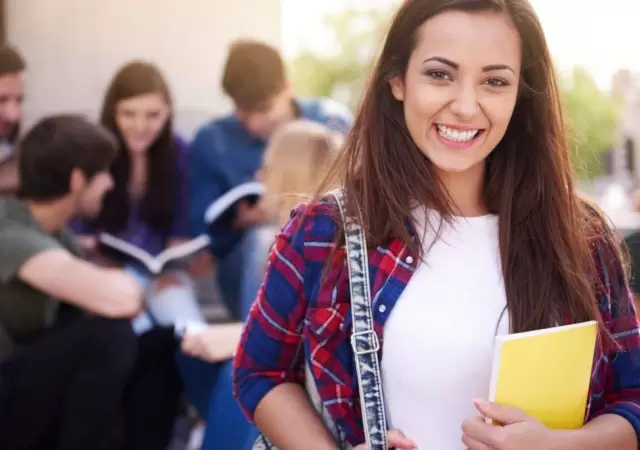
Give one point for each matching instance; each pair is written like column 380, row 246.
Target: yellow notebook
column 546, row 373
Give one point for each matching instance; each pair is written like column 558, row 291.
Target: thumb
column 398, row 440
column 501, row 413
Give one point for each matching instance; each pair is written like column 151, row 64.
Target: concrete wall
column 73, row 47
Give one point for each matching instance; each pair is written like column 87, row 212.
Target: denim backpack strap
column 364, row 340
column 364, row 343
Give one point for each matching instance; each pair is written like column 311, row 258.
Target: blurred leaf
column 342, row 74
column 592, row 114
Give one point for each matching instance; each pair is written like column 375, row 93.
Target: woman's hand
column 248, row 215
column 519, row 431
column 202, row 265
column 214, row 344
column 395, row 439
column 166, row 280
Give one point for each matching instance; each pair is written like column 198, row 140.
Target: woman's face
column 460, row 88
column 140, row 120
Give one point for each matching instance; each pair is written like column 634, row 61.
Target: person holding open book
column 297, row 157
column 147, row 207
column 144, row 218
column 457, row 189
column 227, row 152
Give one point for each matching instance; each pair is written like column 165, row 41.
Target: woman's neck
column 466, row 190
column 138, row 175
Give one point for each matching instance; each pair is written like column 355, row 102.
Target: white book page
column 182, row 250
column 156, row 264
column 142, row 255
column 224, row 202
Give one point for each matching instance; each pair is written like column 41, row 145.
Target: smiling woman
column 459, row 92
column 457, row 170
column 147, row 208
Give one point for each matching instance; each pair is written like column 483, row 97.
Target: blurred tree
column 342, row 73
column 355, row 35
column 592, row 115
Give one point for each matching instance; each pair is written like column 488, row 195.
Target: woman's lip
column 456, row 144
column 459, row 127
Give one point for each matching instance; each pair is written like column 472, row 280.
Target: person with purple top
column 147, row 207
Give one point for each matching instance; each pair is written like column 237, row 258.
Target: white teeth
column 456, row 135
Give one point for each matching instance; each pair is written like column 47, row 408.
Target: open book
column 123, row 250
column 546, row 373
column 222, row 210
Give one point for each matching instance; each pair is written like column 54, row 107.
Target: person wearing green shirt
column 66, row 344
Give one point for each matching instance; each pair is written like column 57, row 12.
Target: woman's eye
column 497, row 82
column 439, row 75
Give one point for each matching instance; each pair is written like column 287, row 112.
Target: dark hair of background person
column 53, row 148
column 253, row 73
column 158, row 206
column 11, row 61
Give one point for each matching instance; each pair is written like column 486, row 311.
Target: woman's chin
column 138, row 149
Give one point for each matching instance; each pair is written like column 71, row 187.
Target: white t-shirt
column 438, row 340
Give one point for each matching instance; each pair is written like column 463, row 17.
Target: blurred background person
column 12, row 68
column 66, row 345
column 295, row 161
column 147, row 207
column 632, row 243
column 229, row 150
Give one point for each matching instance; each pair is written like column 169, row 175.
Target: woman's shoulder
column 181, row 150
column 182, row 145
column 313, row 222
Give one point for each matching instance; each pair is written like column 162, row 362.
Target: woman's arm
column 286, row 416
column 88, row 244
column 609, row 431
column 617, row 424
column 269, row 364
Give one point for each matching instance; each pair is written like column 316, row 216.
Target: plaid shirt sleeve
column 270, row 351
column 622, row 386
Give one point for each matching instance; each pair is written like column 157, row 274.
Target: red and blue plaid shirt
column 297, row 319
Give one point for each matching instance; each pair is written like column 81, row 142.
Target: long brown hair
column 158, row 207
column 544, row 227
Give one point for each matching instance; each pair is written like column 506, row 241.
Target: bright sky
column 601, row 35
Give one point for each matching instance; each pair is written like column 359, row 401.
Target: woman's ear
column 397, row 88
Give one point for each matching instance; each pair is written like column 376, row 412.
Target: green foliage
column 592, row 114
column 342, row 74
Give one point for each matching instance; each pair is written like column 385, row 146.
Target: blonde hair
column 295, row 162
